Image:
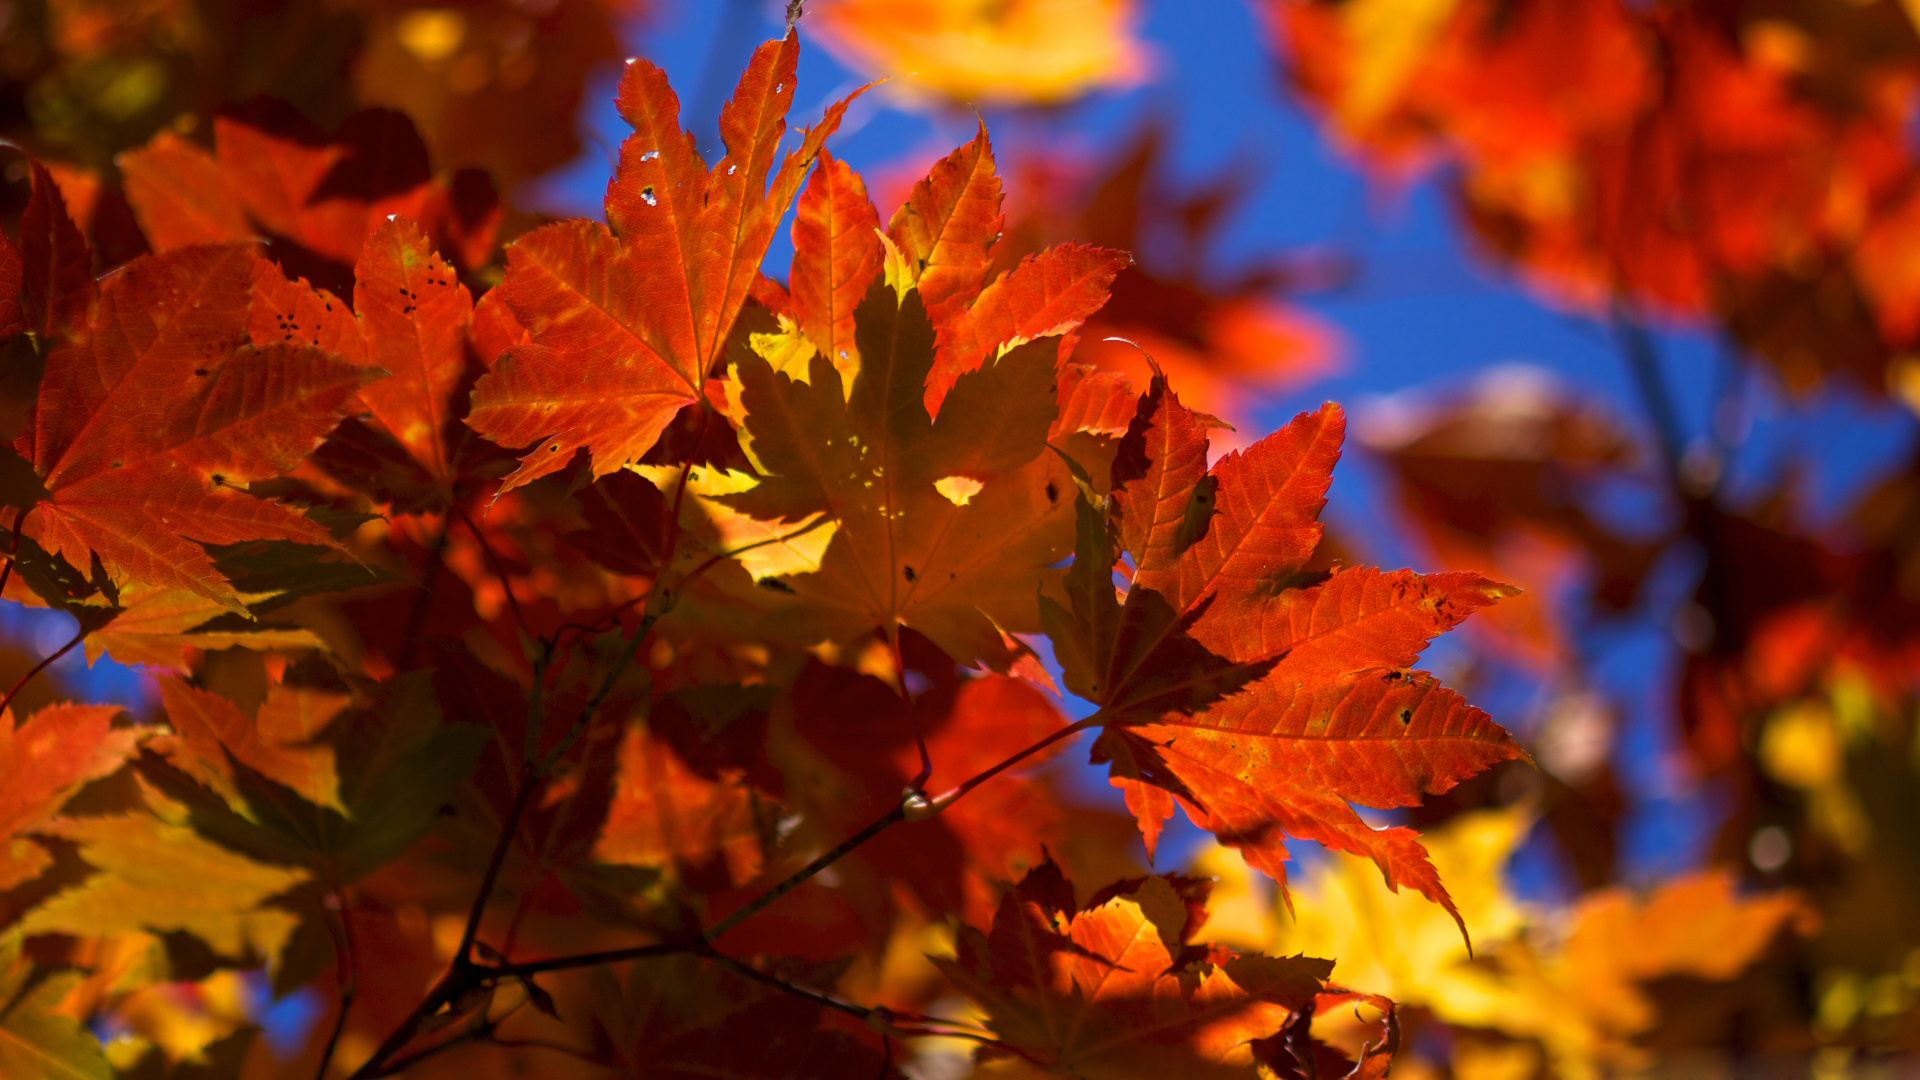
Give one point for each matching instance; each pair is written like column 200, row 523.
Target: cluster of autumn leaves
column 809, row 510
column 633, row 671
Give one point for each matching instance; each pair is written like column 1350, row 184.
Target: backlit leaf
column 165, row 414
column 626, row 323
column 1115, row 990
column 44, row 761
column 1264, row 698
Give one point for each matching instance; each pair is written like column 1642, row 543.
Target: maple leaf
column 164, row 413
column 317, row 197
column 836, row 256
column 1116, row 989
column 322, row 776
column 155, row 628
column 42, row 763
column 1260, row 696
column 943, row 525
column 37, row 1042
column 282, row 741
column 411, row 318
column 46, row 283
column 626, row 323
column 945, row 233
column 156, row 877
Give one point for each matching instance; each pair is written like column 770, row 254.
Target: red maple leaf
column 626, row 322
column 1261, row 696
column 148, row 429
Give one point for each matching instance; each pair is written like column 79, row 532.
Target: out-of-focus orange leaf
column 1493, row 481
column 1013, row 52
column 485, row 81
column 44, row 761
column 155, row 877
column 1752, row 163
column 156, row 628
column 666, row 814
column 282, row 741
column 36, row 1038
column 316, row 198
column 1118, row 989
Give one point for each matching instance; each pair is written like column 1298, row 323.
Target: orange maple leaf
column 1116, row 989
column 147, row 431
column 626, row 323
column 42, row 762
column 411, row 318
column 1259, row 695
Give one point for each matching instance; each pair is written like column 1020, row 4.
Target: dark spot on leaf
column 908, row 571
column 1199, row 514
column 1406, row 716
column 199, row 371
column 1053, row 493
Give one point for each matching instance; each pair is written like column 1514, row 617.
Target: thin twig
column 1644, row 365
column 748, row 971
column 42, row 666
column 800, row 877
column 499, row 571
column 593, row 959
column 346, row 959
column 949, row 798
column 423, row 600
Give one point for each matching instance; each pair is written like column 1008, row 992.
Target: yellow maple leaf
column 155, row 877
